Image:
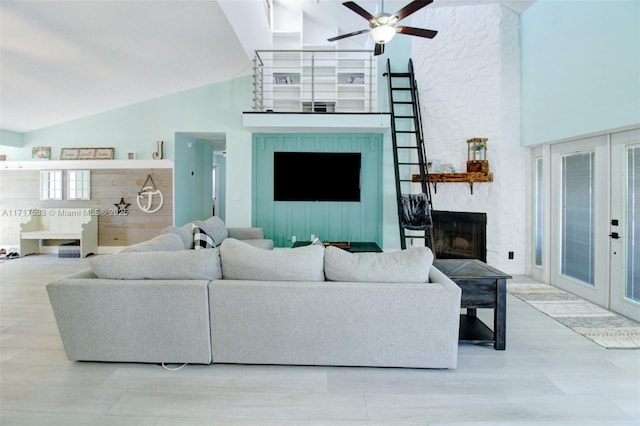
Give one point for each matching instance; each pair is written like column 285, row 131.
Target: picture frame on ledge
column 87, row 153
column 69, row 154
column 104, row 153
column 41, row 153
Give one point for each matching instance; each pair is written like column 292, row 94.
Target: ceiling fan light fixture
column 382, row 34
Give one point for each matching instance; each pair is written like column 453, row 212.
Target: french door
column 579, row 214
column 594, row 215
column 625, row 223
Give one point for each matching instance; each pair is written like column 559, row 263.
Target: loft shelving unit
column 316, row 78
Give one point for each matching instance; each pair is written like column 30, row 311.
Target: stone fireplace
column 460, row 235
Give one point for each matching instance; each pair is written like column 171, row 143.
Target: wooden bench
column 60, row 224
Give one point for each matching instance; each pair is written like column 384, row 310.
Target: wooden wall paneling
column 138, row 225
column 19, row 191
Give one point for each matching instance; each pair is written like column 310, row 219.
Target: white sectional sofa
column 238, row 303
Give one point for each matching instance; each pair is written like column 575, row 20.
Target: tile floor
column 548, row 375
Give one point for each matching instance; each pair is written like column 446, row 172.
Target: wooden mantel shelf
column 469, row 177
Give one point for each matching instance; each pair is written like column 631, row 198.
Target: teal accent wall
column 10, row 138
column 398, row 52
column 193, row 179
column 580, row 68
column 330, row 221
column 136, row 128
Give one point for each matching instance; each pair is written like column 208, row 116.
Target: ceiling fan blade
column 340, row 37
column 420, row 32
column 414, row 6
column 357, row 9
column 379, row 49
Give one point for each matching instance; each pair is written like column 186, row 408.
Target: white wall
column 253, row 15
column 469, row 82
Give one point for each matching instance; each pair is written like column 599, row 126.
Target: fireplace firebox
column 460, row 235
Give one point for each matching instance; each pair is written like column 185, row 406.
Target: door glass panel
column 632, row 285
column 577, row 257
column 539, row 211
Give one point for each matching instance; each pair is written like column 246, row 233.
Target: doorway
column 219, row 183
column 196, row 154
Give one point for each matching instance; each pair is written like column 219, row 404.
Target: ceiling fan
column 383, row 26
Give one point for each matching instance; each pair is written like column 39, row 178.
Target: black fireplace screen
column 460, row 235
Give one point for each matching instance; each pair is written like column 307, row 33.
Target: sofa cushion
column 405, row 266
column 260, row 243
column 242, row 261
column 215, row 227
column 202, row 240
column 245, row 233
column 185, row 232
column 162, row 242
column 183, row 264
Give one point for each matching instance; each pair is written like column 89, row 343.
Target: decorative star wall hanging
column 122, row 207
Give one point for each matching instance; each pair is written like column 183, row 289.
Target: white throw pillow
column 180, row 265
column 242, row 261
column 405, row 266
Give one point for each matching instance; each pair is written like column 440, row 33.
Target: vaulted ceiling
column 68, row 59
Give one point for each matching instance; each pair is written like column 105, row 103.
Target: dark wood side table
column 354, row 246
column 482, row 287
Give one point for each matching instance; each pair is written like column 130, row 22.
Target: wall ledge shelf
column 469, row 177
column 85, row 164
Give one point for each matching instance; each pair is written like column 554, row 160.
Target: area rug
column 600, row 325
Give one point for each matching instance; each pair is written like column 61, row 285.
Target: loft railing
column 316, row 80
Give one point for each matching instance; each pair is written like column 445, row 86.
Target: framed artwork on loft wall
column 41, row 153
column 104, row 154
column 69, row 154
column 87, row 153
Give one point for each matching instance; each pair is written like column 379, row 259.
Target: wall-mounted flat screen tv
column 316, row 176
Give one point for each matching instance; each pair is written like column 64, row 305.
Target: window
column 538, row 212
column 632, row 288
column 79, row 184
column 51, row 185
column 578, row 216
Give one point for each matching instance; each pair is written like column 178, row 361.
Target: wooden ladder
column 409, row 155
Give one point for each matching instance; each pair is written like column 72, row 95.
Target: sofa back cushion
column 162, row 242
column 405, row 266
column 176, row 265
column 242, row 261
column 185, row 232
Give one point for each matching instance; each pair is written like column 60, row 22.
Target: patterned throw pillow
column 202, row 240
